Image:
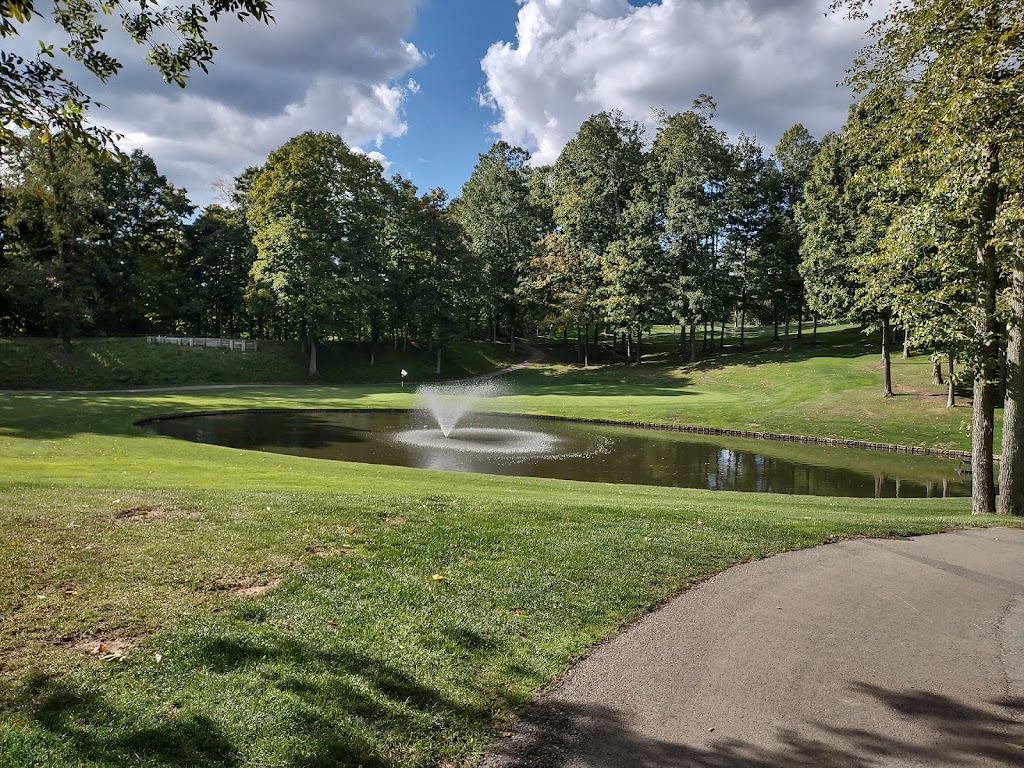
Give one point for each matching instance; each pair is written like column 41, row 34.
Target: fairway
column 177, row 603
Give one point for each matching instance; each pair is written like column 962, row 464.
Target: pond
column 532, row 447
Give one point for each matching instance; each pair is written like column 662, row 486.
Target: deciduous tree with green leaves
column 501, row 222
column 597, row 176
column 794, row 155
column 220, row 259
column 142, row 242
column 691, row 162
column 50, row 257
column 316, row 211
column 953, row 68
column 842, row 225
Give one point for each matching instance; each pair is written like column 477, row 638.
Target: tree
column 953, row 68
column 444, row 270
column 501, row 223
column 141, row 239
column 38, row 96
column 221, row 256
column 51, row 190
column 596, row 178
column 755, row 246
column 566, row 280
column 691, row 164
column 795, row 157
column 635, row 283
column 842, row 224
column 829, row 223
column 316, row 211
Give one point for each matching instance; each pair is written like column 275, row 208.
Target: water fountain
column 449, row 404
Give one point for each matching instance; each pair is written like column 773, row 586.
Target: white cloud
column 328, row 65
column 199, row 142
column 768, row 64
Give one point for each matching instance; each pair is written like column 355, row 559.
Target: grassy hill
column 113, row 363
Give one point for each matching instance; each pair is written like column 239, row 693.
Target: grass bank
column 409, row 612
column 112, row 363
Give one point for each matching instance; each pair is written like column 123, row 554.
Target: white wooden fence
column 243, row 345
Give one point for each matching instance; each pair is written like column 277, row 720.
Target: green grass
column 109, row 363
column 358, row 655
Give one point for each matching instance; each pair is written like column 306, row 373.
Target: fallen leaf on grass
column 438, row 577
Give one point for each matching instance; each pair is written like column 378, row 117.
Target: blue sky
column 403, row 80
column 447, row 127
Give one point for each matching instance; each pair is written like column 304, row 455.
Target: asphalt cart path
column 861, row 654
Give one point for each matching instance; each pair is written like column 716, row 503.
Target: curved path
column 533, row 356
column 862, row 654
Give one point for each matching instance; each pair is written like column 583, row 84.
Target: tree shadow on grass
column 557, row 734
column 318, row 700
column 92, row 730
column 50, row 416
column 668, row 374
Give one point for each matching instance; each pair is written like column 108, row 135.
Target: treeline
column 317, row 244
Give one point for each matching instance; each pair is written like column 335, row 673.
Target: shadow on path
column 934, row 730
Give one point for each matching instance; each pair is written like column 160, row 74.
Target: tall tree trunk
column 586, row 345
column 906, row 343
column 814, row 333
column 937, row 370
column 887, row 355
column 800, row 318
column 721, row 339
column 579, row 347
column 693, row 341
column 743, row 306
column 951, row 393
column 438, row 358
column 313, row 372
column 639, row 342
column 785, row 342
column 983, row 493
column 511, row 335
column 1011, row 465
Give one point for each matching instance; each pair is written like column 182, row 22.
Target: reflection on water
column 509, row 445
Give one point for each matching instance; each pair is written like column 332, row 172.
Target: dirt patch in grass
column 152, row 513
column 315, row 551
column 255, row 589
column 247, row 585
column 110, row 649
